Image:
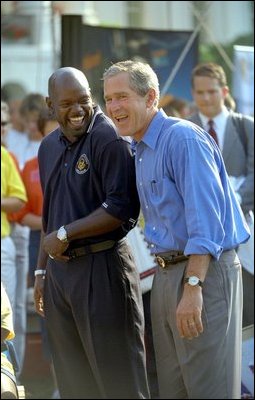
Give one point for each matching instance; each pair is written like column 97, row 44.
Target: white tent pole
column 182, row 56
column 216, row 44
column 180, row 60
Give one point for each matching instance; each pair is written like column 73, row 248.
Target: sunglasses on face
column 5, row 123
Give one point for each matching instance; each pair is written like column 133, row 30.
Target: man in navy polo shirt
column 90, row 295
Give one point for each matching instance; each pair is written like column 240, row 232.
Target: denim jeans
column 20, row 235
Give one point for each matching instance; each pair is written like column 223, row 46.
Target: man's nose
column 77, row 107
column 115, row 104
column 206, row 96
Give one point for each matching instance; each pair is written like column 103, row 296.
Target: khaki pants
column 209, row 366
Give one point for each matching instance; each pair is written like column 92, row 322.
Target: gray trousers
column 209, row 366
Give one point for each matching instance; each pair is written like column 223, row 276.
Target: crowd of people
column 75, row 180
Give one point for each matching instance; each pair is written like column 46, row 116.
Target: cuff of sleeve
column 114, row 211
column 203, row 246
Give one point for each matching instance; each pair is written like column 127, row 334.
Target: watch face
column 61, row 235
column 193, row 280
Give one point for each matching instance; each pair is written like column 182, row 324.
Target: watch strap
column 199, row 283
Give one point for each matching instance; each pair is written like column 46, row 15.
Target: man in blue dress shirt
column 193, row 223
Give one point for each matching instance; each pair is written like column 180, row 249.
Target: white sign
column 145, row 262
column 243, row 79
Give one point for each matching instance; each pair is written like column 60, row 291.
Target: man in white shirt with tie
column 235, row 138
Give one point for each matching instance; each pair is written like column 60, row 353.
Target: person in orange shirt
column 33, row 209
column 31, row 214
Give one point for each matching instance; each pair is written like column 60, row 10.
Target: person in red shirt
column 31, row 214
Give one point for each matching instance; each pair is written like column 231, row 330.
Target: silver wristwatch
column 62, row 234
column 193, row 281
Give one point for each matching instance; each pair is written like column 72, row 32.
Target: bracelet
column 40, row 272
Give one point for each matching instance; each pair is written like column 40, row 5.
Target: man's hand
column 188, row 313
column 54, row 247
column 38, row 294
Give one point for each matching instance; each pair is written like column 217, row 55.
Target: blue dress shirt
column 185, row 194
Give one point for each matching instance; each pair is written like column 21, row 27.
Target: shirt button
column 141, row 184
column 152, row 245
column 154, row 228
column 65, row 164
column 146, row 206
column 69, row 148
column 140, row 159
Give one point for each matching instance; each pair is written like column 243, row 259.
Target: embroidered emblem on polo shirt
column 82, row 165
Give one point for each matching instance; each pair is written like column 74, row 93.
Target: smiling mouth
column 77, row 121
column 121, row 118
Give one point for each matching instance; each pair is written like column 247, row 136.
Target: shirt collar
column 218, row 119
column 153, row 131
column 96, row 111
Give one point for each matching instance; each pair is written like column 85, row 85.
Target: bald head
column 63, row 75
column 70, row 101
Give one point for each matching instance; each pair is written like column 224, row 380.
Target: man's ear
column 150, row 97
column 50, row 106
column 225, row 91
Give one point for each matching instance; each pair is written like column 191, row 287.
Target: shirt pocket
column 164, row 192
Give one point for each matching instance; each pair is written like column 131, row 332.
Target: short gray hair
column 141, row 76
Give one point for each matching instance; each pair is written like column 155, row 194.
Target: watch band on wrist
column 40, row 272
column 193, row 281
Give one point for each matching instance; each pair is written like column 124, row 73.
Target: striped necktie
column 212, row 131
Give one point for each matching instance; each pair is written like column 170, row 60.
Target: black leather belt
column 170, row 257
column 90, row 248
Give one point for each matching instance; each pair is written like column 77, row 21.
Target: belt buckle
column 161, row 261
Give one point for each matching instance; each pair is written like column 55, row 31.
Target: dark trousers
column 94, row 316
column 150, row 353
column 248, row 298
column 33, row 248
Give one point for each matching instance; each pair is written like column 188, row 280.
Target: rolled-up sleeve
column 198, row 180
column 117, row 171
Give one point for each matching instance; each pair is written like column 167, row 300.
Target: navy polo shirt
column 95, row 171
